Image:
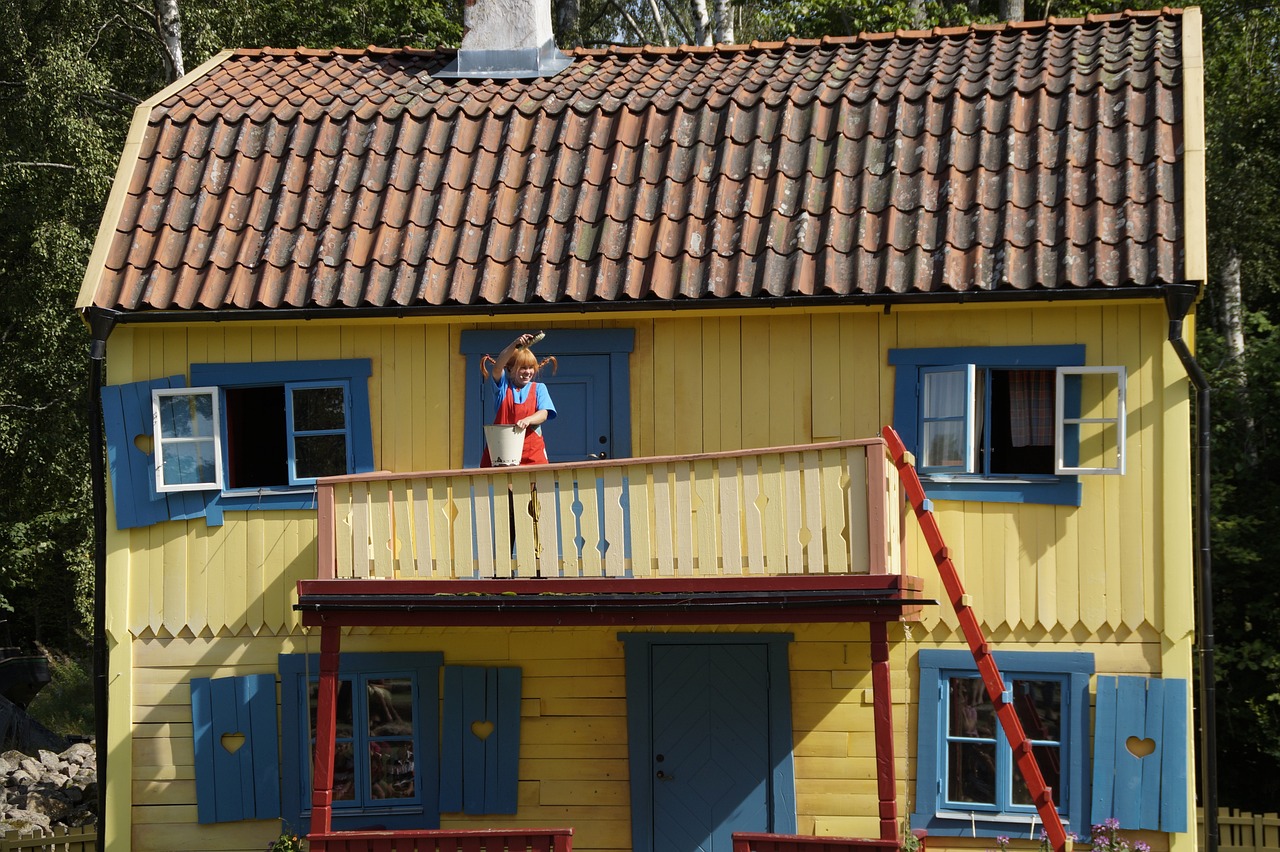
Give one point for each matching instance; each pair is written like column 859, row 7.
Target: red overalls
column 509, row 411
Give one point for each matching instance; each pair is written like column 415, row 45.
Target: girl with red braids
column 518, row 399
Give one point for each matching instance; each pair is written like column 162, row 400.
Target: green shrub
column 65, row 705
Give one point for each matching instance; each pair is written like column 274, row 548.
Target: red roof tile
column 1035, row 157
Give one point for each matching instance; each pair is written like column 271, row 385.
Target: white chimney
column 507, row 39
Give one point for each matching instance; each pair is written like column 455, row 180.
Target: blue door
column 581, row 390
column 710, row 764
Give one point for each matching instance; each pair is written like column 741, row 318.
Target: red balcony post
column 326, row 534
column 326, row 732
column 882, row 695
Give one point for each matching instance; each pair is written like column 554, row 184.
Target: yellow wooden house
column 713, row 612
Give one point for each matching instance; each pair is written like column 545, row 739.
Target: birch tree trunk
column 701, row 22
column 724, row 22
column 1233, row 335
column 1012, row 10
column 169, row 23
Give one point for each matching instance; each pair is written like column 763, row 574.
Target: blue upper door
column 581, row 392
column 710, row 767
column 590, row 389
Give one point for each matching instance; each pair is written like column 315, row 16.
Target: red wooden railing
column 446, row 840
column 744, row 841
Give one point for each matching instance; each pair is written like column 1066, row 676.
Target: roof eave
column 880, row 300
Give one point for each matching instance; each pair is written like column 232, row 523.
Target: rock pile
column 49, row 789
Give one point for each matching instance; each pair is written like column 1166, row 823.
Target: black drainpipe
column 101, row 322
column 1178, row 299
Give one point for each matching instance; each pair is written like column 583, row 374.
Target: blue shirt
column 541, row 403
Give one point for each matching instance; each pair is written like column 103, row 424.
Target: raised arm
column 505, row 355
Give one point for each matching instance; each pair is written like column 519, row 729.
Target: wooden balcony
column 820, row 509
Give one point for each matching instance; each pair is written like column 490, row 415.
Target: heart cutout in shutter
column 482, row 729
column 232, row 742
column 1139, row 747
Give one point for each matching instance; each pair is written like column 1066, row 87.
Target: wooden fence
column 56, row 839
column 1241, row 831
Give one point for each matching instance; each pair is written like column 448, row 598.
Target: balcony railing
column 815, row 509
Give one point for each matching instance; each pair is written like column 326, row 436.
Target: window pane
column 1039, row 706
column 344, row 773
column 971, row 712
column 189, row 463
column 971, row 773
column 316, row 409
column 320, row 455
column 390, row 707
column 1048, row 759
column 345, row 726
column 944, row 394
column 391, row 770
column 186, row 416
column 944, row 443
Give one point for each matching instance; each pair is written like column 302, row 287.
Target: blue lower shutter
column 480, row 747
column 126, row 414
column 236, row 779
column 1140, row 753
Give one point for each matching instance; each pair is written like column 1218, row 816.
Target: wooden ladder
column 1023, row 754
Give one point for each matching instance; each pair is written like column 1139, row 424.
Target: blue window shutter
column 126, row 414
column 480, row 775
column 243, row 784
column 1148, row 792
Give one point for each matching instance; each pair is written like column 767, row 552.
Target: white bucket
column 506, row 444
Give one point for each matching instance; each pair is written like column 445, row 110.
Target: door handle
column 663, row 776
column 599, row 455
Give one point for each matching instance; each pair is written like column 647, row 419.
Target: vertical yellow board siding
column 709, row 364
column 686, row 387
column 704, row 383
column 729, row 386
column 1132, row 559
column 824, row 367
column 754, row 393
column 665, row 405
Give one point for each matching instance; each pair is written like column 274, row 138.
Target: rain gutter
column 1179, row 299
column 101, row 322
column 881, row 300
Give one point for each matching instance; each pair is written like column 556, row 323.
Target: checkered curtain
column 1031, row 407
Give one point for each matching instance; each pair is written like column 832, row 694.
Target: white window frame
column 1061, row 421
column 292, row 432
column 160, row 441
column 968, row 418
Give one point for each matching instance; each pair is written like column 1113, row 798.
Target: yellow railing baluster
column 814, row 509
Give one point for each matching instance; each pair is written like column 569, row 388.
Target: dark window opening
column 1022, row 422
column 257, row 448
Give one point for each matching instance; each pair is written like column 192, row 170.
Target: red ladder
column 1023, row 754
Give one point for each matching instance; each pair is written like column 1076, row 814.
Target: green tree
column 71, row 74
column 1240, row 346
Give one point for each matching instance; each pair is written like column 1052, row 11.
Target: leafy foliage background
column 72, row 71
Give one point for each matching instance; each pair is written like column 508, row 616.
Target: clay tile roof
column 1029, row 158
